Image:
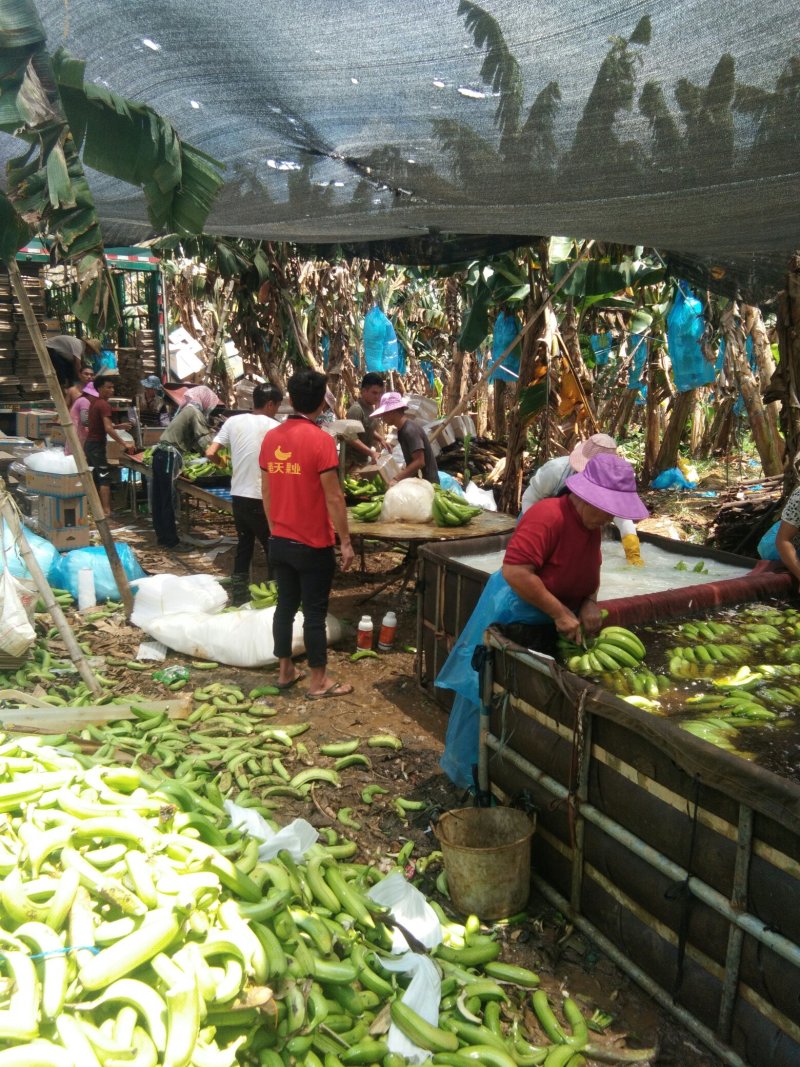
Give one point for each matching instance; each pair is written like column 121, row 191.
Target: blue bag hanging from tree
column 602, row 344
column 380, row 342
column 506, row 328
column 685, row 329
column 639, row 346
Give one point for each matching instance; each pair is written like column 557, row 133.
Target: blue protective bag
column 672, row 478
column 685, row 328
column 94, row 557
column 380, row 342
column 506, row 328
column 766, row 546
column 498, row 604
column 602, row 344
column 447, row 481
column 45, row 554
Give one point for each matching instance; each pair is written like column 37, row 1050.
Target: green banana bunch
column 613, row 649
column 364, row 487
column 368, row 511
column 449, row 509
column 264, row 595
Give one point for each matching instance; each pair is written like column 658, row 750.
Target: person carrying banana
column 550, row 479
column 413, row 441
column 242, row 434
column 546, row 588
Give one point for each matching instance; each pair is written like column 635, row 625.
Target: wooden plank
column 66, row 720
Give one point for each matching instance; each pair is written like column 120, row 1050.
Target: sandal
column 335, row 689
column 294, row 681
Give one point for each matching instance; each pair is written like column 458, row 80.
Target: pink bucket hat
column 609, row 483
column 389, row 402
column 90, row 389
column 598, row 444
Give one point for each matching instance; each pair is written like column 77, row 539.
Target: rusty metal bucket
column 487, row 857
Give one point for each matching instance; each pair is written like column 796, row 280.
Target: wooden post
column 789, row 370
column 71, row 435
column 9, row 513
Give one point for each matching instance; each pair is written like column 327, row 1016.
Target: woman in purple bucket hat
column 547, row 584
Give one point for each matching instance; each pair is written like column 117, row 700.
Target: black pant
column 251, row 523
column 167, row 464
column 97, row 459
column 304, row 576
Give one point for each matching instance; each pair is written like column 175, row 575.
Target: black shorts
column 98, row 460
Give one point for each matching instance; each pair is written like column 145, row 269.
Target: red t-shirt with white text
column 566, row 556
column 294, row 455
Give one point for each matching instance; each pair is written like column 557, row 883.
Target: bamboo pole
column 9, row 513
column 71, row 435
column 465, row 402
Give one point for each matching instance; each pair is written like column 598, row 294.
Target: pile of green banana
column 193, row 471
column 641, row 682
column 263, row 595
column 735, row 705
column 139, row 928
column 365, row 488
column 369, row 510
column 690, row 661
column 449, row 509
column 614, row 647
column 707, row 630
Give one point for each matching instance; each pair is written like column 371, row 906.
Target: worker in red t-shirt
column 98, row 427
column 304, row 503
column 548, row 583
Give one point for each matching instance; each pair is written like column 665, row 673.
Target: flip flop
column 337, row 689
column 294, row 681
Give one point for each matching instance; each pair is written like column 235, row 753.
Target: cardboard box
column 64, row 540
column 151, row 435
column 36, row 424
column 63, row 513
column 57, row 485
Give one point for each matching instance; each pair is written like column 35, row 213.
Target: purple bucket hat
column 608, row 483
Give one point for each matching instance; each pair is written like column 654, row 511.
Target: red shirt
column 95, row 426
column 294, row 455
column 566, row 556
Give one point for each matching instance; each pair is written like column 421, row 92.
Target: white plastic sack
column 423, row 995
column 168, row 594
column 409, row 501
column 51, row 461
column 410, row 908
column 16, row 633
column 237, row 638
column 480, row 498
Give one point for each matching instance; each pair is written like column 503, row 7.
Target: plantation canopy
column 436, row 129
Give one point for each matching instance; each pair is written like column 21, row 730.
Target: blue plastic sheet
column 45, row 554
column 447, row 481
column 601, row 343
column 105, row 586
column 426, row 367
column 506, row 328
column 766, row 546
column 685, row 329
column 498, row 604
column 380, row 342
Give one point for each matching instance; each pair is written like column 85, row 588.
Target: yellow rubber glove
column 630, row 542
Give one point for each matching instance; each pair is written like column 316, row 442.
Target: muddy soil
column 386, row 698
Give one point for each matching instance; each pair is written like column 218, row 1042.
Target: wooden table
column 414, row 534
column 184, row 487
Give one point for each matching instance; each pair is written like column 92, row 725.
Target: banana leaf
column 532, row 400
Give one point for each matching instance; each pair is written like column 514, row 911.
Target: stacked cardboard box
column 62, row 510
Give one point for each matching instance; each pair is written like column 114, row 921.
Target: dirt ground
column 386, row 698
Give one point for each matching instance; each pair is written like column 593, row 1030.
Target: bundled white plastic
column 51, row 461
column 409, row 501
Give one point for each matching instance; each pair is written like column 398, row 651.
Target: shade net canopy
column 431, row 130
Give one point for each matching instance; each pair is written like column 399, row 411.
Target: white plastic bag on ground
column 480, row 498
column 410, row 908
column 296, row 837
column 237, row 638
column 409, row 501
column 423, row 995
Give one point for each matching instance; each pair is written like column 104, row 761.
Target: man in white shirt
column 242, row 435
